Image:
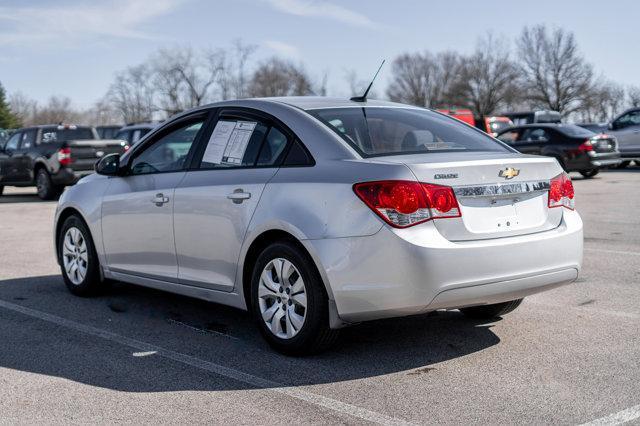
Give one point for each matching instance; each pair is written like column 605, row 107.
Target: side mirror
column 109, row 165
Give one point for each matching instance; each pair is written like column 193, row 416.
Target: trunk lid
column 499, row 195
column 85, row 153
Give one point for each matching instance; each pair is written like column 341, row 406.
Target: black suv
column 575, row 148
column 51, row 157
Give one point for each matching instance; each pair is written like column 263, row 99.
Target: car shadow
column 411, row 346
column 13, row 197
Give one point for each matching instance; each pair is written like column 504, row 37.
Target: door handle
column 160, row 199
column 238, row 196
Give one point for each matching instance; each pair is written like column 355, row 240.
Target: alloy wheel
column 282, row 298
column 75, row 256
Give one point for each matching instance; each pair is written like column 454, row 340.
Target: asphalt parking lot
column 568, row 356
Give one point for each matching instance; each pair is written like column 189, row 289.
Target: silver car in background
column 317, row 213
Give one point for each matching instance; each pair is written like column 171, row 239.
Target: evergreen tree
column 8, row 120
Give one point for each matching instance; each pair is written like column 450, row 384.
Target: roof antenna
column 363, row 98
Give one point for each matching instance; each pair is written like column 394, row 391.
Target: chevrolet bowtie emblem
column 509, row 173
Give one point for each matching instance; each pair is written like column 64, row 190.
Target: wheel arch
column 259, row 243
column 64, row 214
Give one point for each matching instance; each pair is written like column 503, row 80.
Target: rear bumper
column 400, row 272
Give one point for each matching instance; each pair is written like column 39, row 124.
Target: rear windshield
column 56, row 134
column 573, row 130
column 387, row 131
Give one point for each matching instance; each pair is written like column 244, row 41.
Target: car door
column 9, row 161
column 22, row 156
column 626, row 129
column 215, row 201
column 137, row 208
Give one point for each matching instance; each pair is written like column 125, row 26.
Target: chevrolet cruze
column 317, row 213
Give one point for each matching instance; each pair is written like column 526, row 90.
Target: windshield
column 573, row 130
column 387, row 131
column 55, row 134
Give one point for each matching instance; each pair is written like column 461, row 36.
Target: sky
column 74, row 48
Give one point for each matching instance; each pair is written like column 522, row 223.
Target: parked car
column 463, row 114
column 594, row 127
column 132, row 133
column 51, row 157
column 576, row 149
column 529, row 117
column 108, row 132
column 626, row 128
column 317, row 213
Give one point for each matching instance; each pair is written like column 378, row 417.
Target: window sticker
column 228, row 142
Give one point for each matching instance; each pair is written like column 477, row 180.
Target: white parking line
column 630, row 253
column 258, row 382
column 618, row 418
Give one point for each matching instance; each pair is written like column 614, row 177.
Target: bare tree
column 185, row 78
column 277, row 77
column 633, row 95
column 23, row 107
column 487, row 78
column 602, row 102
column 556, row 76
column 58, row 109
column 233, row 80
column 132, row 94
column 423, row 79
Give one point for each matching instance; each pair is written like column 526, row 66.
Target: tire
column 491, row 311
column 75, row 234
column 624, row 164
column 277, row 301
column 589, row 173
column 46, row 189
column 1, row 189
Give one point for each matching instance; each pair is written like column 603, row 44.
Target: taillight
column 586, row 146
column 64, row 156
column 561, row 192
column 403, row 203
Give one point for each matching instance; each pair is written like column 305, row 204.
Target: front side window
column 536, row 135
column 376, row 131
column 510, row 136
column 12, row 143
column 629, row 119
column 169, row 152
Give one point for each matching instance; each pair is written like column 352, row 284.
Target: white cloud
column 282, row 48
column 321, row 9
column 62, row 25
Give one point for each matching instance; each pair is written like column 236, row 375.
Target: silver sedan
column 317, row 213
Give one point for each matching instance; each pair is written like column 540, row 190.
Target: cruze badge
column 509, row 173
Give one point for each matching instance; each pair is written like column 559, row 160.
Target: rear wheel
column 78, row 258
column 491, row 311
column 289, row 302
column 1, row 189
column 45, row 187
column 624, row 164
column 589, row 173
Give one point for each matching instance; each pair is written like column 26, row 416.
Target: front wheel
column 78, row 258
column 491, row 311
column 589, row 173
column 289, row 302
column 623, row 165
column 1, row 189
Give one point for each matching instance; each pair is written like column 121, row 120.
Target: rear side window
column 376, row 131
column 234, row 143
column 298, row 156
column 60, row 133
column 273, row 148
